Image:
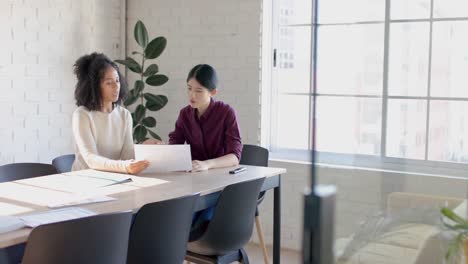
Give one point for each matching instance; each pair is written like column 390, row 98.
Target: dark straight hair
column 89, row 70
column 205, row 75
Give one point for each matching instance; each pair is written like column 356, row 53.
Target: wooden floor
column 287, row 256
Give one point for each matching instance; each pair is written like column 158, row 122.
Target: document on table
column 100, row 178
column 53, row 216
column 10, row 223
column 81, row 199
column 164, row 158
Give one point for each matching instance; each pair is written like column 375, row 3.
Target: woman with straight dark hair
column 208, row 125
column 102, row 128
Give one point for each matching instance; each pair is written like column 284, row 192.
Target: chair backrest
column 63, row 163
column 160, row 231
column 100, row 239
column 232, row 223
column 254, row 155
column 18, row 171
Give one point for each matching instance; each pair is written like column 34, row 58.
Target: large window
column 391, row 79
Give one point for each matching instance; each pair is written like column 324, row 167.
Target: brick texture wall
column 41, row 39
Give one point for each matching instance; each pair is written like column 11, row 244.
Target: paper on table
column 81, row 199
column 165, row 158
column 54, row 216
column 107, row 178
column 10, row 223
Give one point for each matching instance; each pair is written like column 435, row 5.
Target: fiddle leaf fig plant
column 146, row 101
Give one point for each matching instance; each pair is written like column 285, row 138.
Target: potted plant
column 460, row 226
column 148, row 74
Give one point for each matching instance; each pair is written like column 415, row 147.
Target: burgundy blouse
column 215, row 134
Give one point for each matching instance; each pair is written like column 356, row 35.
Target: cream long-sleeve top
column 103, row 141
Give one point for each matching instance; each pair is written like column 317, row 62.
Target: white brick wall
column 41, row 39
column 222, row 33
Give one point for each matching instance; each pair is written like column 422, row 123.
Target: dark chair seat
column 63, row 163
column 160, row 231
column 18, row 171
column 231, row 226
column 100, row 239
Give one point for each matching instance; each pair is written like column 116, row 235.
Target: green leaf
column 155, row 102
column 139, row 113
column 139, row 86
column 149, row 121
column 134, row 124
column 155, row 48
column 136, row 52
column 454, row 247
column 154, row 135
column 151, row 70
column 131, row 98
column 140, row 133
column 157, row 80
column 453, row 216
column 141, row 34
column 131, row 64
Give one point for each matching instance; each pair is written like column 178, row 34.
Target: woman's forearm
column 228, row 160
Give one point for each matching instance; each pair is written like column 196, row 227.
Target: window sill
column 372, row 163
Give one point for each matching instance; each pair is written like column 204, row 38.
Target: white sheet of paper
column 81, row 199
column 54, row 216
column 165, row 158
column 10, row 223
column 110, row 177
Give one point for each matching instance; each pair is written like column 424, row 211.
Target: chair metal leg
column 262, row 241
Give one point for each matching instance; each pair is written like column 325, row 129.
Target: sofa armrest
column 404, row 200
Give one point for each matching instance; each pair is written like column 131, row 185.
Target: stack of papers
column 53, row 216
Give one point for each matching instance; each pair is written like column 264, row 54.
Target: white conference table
column 34, row 194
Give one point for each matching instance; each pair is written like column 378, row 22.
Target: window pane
column 348, row 125
column 448, row 131
column 336, row 11
column 350, row 59
column 295, row 12
column 293, row 59
column 410, row 9
column 450, row 59
column 406, row 126
column 293, row 121
column 450, row 8
column 408, row 59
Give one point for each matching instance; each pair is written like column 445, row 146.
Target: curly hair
column 90, row 69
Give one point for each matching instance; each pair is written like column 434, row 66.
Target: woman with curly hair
column 102, row 128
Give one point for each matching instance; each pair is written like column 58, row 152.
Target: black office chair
column 257, row 156
column 160, row 231
column 230, row 228
column 63, row 163
column 100, row 239
column 18, row 171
